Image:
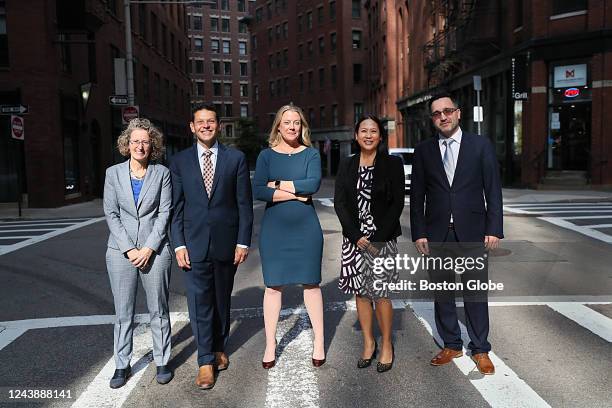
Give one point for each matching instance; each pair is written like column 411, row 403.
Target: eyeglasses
column 140, row 142
column 445, row 111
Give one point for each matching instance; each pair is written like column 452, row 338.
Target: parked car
column 406, row 154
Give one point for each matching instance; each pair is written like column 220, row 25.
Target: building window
column 142, row 19
column 278, row 60
column 300, row 52
column 311, row 116
column 216, row 67
column 335, row 115
column 65, row 51
column 196, row 22
column 242, row 47
column 226, row 47
column 145, row 83
column 286, row 85
column 333, row 42
column 269, row 10
column 322, row 116
column 518, row 13
column 157, row 90
column 334, row 76
column 567, row 6
column 227, row 89
column 254, row 68
column 271, row 62
column 357, row 73
column 241, row 5
column 164, row 34
column 310, row 81
column 242, row 27
column 285, row 30
column 244, row 90
column 227, row 68
column 256, row 92
column 321, row 78
column 301, row 82
column 332, row 10
column 217, row 88
column 154, row 35
column 286, row 58
column 321, row 45
column 199, row 88
column 214, row 24
column 310, row 51
column 254, row 42
column 271, row 85
column 229, row 112
column 358, row 111
column 300, row 21
column 243, row 69
column 199, row 66
column 213, row 4
column 309, row 20
column 225, row 5
column 356, row 39
column 270, row 35
column 277, row 30
column 356, row 9
column 225, row 25
column 198, row 44
column 244, row 110
column 214, row 46
column 259, row 15
column 320, row 15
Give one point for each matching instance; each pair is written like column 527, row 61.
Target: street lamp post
column 129, row 58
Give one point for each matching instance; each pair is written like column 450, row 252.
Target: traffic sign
column 14, row 109
column 17, row 127
column 118, row 100
column 128, row 113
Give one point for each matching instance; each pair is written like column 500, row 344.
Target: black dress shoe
column 366, row 362
column 120, row 377
column 164, row 375
column 382, row 367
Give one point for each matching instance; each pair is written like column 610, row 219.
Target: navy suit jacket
column 476, row 180
column 211, row 226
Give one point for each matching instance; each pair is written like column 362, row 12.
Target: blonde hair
column 157, row 138
column 275, row 135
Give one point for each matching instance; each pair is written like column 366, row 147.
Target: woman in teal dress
column 291, row 240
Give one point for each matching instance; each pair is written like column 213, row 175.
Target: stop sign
column 17, row 127
column 128, row 113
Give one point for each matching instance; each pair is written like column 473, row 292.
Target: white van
column 406, row 154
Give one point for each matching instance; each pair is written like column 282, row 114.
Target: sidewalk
column 93, row 208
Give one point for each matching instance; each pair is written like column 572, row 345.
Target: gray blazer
column 137, row 225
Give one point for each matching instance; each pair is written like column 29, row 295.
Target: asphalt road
column 551, row 328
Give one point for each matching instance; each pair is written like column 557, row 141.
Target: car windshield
column 406, row 157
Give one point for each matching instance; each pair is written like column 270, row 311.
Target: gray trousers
column 124, row 284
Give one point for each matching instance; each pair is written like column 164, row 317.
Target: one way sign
column 14, row 109
column 118, row 100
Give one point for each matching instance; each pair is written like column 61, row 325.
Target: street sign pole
column 128, row 52
column 478, row 88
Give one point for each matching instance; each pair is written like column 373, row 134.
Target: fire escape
column 465, row 33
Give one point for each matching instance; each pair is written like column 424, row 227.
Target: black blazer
column 387, row 201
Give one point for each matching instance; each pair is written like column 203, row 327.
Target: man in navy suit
column 453, row 175
column 211, row 233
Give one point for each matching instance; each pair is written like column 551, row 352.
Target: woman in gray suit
column 137, row 204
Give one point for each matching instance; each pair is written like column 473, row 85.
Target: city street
column 551, row 327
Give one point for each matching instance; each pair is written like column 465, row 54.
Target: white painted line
column 580, row 229
column 99, row 394
column 54, row 220
column 13, row 229
column 504, row 389
column 44, row 224
column 586, row 317
column 514, row 210
column 7, row 336
column 19, row 237
column 292, row 382
column 588, row 217
column 544, row 205
column 327, row 202
column 581, row 207
column 34, row 240
column 599, row 226
column 568, row 211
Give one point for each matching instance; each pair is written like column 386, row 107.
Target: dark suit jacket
column 216, row 224
column 476, row 179
column 387, row 200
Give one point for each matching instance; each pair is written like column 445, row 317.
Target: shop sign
column 570, row 76
column 571, row 92
column 520, row 89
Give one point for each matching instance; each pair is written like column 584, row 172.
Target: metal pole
column 478, row 105
column 129, row 59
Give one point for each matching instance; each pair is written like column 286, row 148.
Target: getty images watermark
column 471, row 269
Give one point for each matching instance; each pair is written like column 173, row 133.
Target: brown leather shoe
column 206, row 377
column 445, row 356
column 484, row 363
column 221, row 360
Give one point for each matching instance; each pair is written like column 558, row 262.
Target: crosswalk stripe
column 558, row 204
column 577, row 228
column 52, row 221
column 504, row 389
column 586, row 317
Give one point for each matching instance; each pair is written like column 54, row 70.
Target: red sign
column 571, row 92
column 128, row 113
column 17, row 127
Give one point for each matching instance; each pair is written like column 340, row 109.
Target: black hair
column 383, row 145
column 203, row 106
column 443, row 95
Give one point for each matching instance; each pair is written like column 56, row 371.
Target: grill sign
column 572, row 92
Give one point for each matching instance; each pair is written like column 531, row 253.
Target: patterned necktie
column 208, row 173
column 449, row 160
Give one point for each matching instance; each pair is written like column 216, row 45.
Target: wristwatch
column 277, row 184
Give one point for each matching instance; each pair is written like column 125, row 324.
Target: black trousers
column 209, row 293
column 475, row 301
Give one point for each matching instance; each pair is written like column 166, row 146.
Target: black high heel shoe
column 366, row 362
column 382, row 367
column 269, row 364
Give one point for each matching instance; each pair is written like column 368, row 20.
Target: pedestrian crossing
column 18, row 234
column 591, row 219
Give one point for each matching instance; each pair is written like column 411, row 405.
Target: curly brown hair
column 157, row 138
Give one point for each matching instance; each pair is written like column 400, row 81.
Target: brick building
column 220, row 59
column 313, row 54
column 65, row 52
column 546, row 80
